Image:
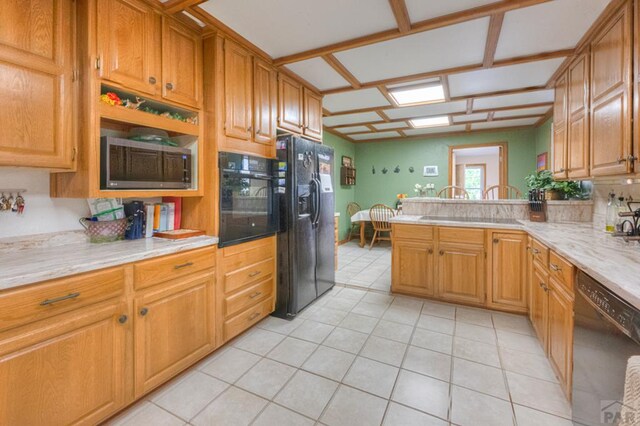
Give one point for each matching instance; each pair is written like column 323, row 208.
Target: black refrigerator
column 306, row 238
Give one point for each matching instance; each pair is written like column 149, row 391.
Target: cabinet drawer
column 233, row 280
column 238, row 256
column 240, row 323
column 154, row 271
column 540, row 253
column 248, row 297
column 561, row 270
column 51, row 298
column 413, row 232
column 461, row 235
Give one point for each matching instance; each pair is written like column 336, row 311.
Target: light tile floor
column 359, row 357
column 364, row 268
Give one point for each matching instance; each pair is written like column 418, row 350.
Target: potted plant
column 555, row 190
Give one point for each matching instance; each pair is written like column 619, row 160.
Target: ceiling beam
column 495, row 26
column 175, row 6
column 387, row 95
column 401, row 14
column 469, row 105
column 458, row 70
column 340, row 69
column 490, row 116
column 454, row 99
column 437, row 135
column 444, row 80
column 418, row 27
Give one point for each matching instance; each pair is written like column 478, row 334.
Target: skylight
column 418, row 94
column 430, row 121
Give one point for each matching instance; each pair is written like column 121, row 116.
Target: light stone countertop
column 28, row 265
column 609, row 260
column 488, row 202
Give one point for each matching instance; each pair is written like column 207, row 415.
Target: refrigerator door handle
column 314, row 202
column 319, row 201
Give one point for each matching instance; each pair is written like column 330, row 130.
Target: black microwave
column 127, row 164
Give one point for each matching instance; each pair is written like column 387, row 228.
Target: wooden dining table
column 363, row 217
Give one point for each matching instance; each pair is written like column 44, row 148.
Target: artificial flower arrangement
column 421, row 190
column 113, row 99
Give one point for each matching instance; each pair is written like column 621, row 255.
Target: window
column 474, row 180
column 430, row 121
column 418, row 94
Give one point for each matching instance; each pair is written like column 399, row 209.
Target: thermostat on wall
column 430, row 171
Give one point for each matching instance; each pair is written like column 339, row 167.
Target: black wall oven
column 248, row 209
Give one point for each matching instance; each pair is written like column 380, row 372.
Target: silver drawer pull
column 536, row 251
column 254, row 295
column 59, row 299
column 253, row 274
column 555, row 267
column 184, row 265
column 254, row 316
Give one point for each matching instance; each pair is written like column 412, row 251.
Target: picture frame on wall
column 347, row 161
column 430, row 171
column 541, row 162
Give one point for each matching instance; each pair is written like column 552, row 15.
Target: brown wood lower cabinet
column 560, row 337
column 174, row 327
column 69, row 369
column 413, row 270
column 461, row 273
column 507, row 270
column 539, row 304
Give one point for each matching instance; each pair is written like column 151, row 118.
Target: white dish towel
column 631, row 405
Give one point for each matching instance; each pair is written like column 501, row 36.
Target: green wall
column 383, row 188
column 344, row 194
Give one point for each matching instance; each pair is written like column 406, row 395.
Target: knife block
column 539, row 216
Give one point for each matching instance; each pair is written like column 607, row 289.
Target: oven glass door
column 247, row 208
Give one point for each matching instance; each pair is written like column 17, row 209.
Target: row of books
column 164, row 216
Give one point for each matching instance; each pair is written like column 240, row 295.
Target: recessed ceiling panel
column 538, row 97
column 504, row 123
column 427, row 110
column 363, row 117
column 319, row 73
column 353, row 129
column 421, row 10
column 446, row 47
column 387, row 126
column 470, row 117
column 431, row 130
column 503, row 78
column 355, row 99
column 284, row 27
column 380, row 135
column 545, row 27
column 521, row 112
column 414, row 83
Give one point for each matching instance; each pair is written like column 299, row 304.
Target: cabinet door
column 237, row 90
column 561, row 333
column 36, row 68
column 289, row 104
column 181, row 64
column 539, row 303
column 610, row 133
column 312, row 115
column 69, row 369
column 265, row 96
column 173, row 328
column 413, row 268
column 559, row 147
column 127, row 44
column 508, row 271
column 578, row 126
column 461, row 273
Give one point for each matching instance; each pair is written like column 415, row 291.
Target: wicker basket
column 105, row 231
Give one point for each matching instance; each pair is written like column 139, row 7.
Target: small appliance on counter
column 537, row 205
column 248, row 209
column 628, row 222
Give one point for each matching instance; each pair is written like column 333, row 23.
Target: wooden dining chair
column 353, row 208
column 380, row 216
column 453, row 191
column 505, row 192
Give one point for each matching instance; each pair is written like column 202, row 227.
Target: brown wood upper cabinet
column 577, row 163
column 559, row 147
column 250, row 101
column 299, row 108
column 146, row 53
column 610, row 127
column 36, row 80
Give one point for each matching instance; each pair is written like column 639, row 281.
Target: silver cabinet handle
column 254, row 295
column 555, row 267
column 253, row 274
column 254, row 316
column 59, row 299
column 184, row 265
column 535, row 251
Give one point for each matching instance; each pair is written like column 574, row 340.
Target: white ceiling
column 545, row 27
column 284, row 27
column 289, row 27
column 447, row 47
